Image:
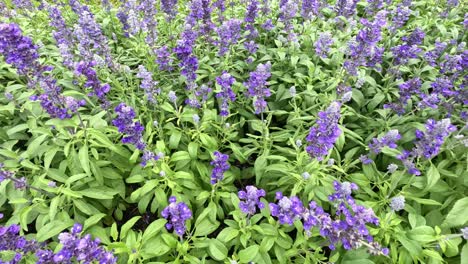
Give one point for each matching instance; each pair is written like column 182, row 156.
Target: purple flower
column 226, row 94
column 402, row 53
column 310, row 8
column 287, row 13
column 149, row 23
column 176, row 215
column 363, row 51
column 365, row 159
column 257, row 86
column 172, row 97
column 397, row 203
column 99, row 89
column 268, row 25
column 406, row 90
column 132, row 130
column 23, row 4
column 287, row 209
column 221, row 165
column 433, row 55
column 229, row 33
column 163, row 59
column 392, row 168
column 148, row 84
column 400, row 15
column 20, row 52
column 428, row 143
column 73, row 247
column 63, row 35
column 464, row 232
column 322, row 45
column 346, row 8
column 169, row 7
column 349, row 227
column 91, row 39
column 323, row 136
column 388, row 140
column 250, row 199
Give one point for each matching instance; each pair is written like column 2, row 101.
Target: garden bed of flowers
column 233, row 131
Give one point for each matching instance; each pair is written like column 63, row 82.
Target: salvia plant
column 215, row 131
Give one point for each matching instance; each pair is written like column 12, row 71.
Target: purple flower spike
column 221, row 165
column 250, row 200
column 227, row 95
column 132, row 130
column 257, row 86
column 287, row 209
column 176, row 215
column 323, row 136
column 388, row 140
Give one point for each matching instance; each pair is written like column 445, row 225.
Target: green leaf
column 413, row 247
column 227, row 234
column 458, row 216
column 464, row 254
column 85, row 207
column 209, row 142
column 174, row 139
column 249, row 253
column 422, row 234
column 433, row 176
column 153, row 229
column 101, row 193
column 114, row 232
column 53, row 207
column 84, row 159
column 217, row 250
column 52, row 229
column 92, row 220
column 128, row 225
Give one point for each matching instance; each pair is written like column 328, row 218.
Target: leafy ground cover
column 144, row 131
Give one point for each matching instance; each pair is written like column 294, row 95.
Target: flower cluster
column 250, row 199
column 229, row 34
column 310, row 8
column 349, row 226
column 287, row 209
column 322, row 45
column 98, row 89
column 221, row 165
column 287, row 13
column 148, row 84
column 74, row 247
column 323, row 136
column 364, row 50
column 163, row 59
column 388, row 140
column 400, row 15
column 397, row 203
column 176, row 214
column 132, row 130
column 409, row 49
column 257, row 86
column 62, row 34
column 91, row 41
column 227, row 94
column 169, row 7
column 427, row 144
column 20, row 52
column 406, row 90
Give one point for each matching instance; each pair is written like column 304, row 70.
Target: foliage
column 213, row 131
